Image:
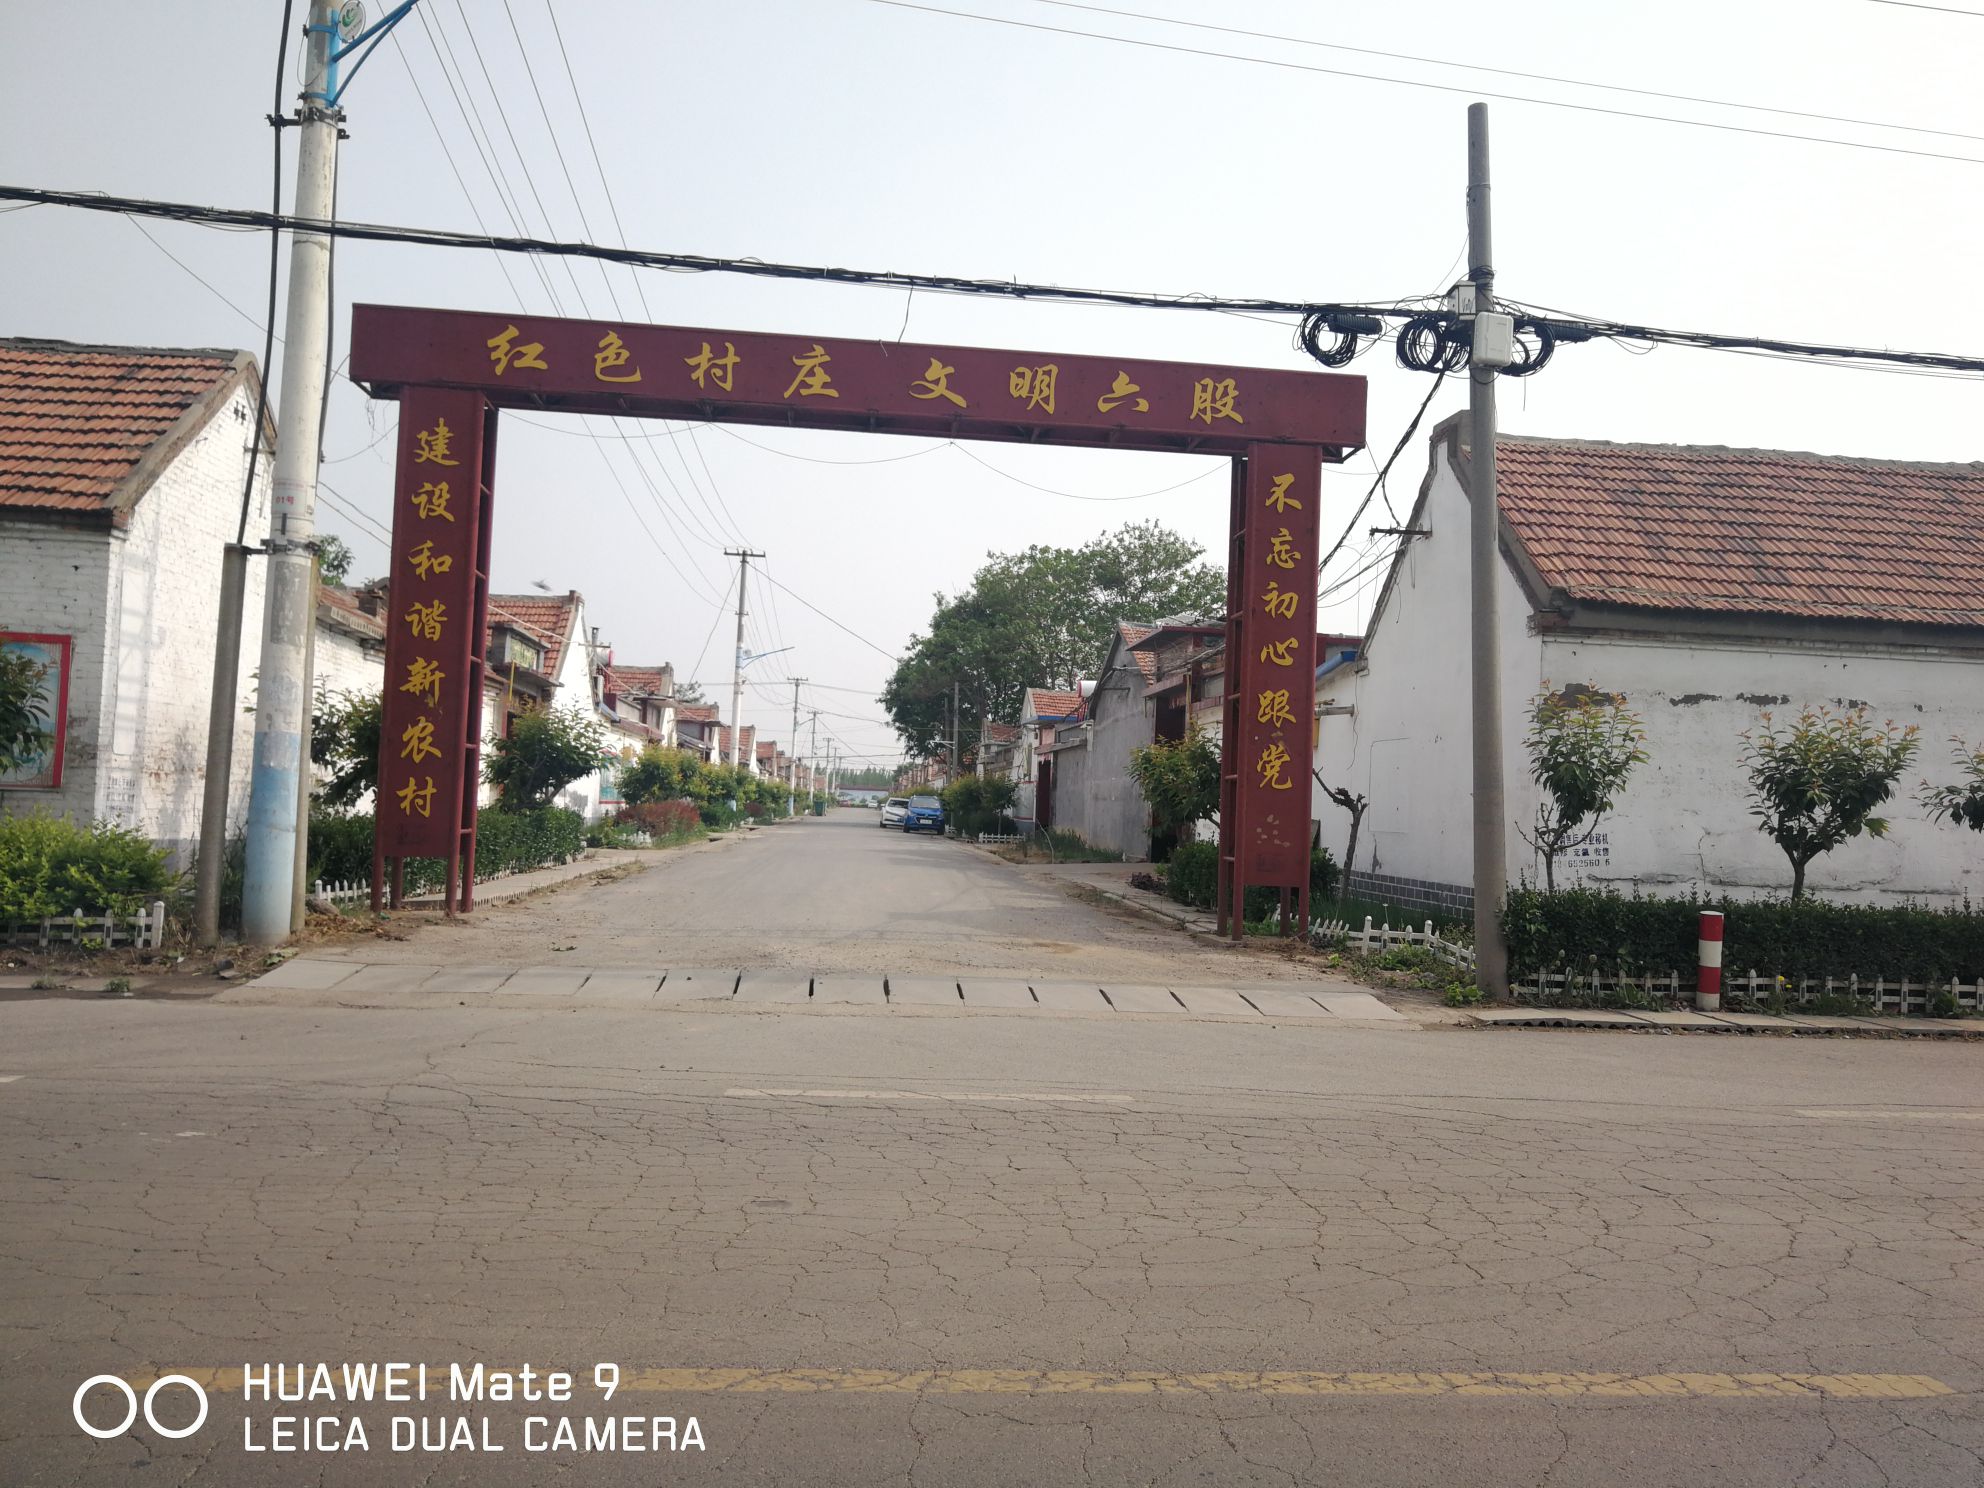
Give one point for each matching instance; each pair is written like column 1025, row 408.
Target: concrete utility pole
column 957, row 743
column 984, row 730
column 792, row 762
column 282, row 700
column 743, row 557
column 1488, row 354
column 813, row 749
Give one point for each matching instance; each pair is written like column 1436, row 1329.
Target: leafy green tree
column 547, row 749
column 26, row 727
column 1179, row 779
column 1040, row 618
column 344, row 738
column 1816, row 783
column 1961, row 804
column 1582, row 746
column 333, row 558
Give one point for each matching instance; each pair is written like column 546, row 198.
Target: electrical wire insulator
column 1432, row 343
column 1335, row 353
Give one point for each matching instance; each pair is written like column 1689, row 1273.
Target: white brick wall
column 141, row 604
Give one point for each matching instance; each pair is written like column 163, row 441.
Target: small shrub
column 118, row 987
column 1464, row 994
column 663, row 821
column 50, row 866
column 1192, row 876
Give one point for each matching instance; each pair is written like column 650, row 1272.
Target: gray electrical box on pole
column 282, row 697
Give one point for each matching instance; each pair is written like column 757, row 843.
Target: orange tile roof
column 1131, row 632
column 1048, row 703
column 76, row 422
column 340, row 606
column 1743, row 531
column 545, row 618
column 696, row 713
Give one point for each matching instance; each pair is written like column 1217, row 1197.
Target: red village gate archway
column 453, row 370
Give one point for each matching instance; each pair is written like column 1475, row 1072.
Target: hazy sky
column 855, row 133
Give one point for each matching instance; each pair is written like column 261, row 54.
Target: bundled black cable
column 1432, row 342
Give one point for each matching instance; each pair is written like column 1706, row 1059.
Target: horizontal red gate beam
column 960, row 392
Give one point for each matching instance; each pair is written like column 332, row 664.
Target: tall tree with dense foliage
column 1582, row 745
column 1815, row 783
column 1041, row 617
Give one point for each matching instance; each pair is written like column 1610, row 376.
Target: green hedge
column 50, row 866
column 1774, row 937
column 505, row 842
column 1192, row 877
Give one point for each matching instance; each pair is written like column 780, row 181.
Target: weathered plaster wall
column 141, row 603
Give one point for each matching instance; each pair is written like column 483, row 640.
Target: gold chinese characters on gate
column 426, row 617
column 1280, row 608
column 808, row 372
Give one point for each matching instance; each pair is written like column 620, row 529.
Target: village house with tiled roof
column 121, row 478
column 1704, row 585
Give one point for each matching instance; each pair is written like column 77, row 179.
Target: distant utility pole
column 792, row 762
column 1489, row 351
column 813, row 751
column 957, row 744
column 743, row 557
column 984, row 729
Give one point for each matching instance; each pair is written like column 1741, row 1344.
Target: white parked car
column 893, row 811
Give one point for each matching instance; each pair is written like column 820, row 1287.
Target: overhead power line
column 247, row 219
column 1535, row 77
column 1398, row 82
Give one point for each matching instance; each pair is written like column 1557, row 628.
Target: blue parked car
column 926, row 814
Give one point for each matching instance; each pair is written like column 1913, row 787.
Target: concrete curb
column 1683, row 1021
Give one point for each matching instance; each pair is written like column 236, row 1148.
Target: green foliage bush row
column 681, row 775
column 505, row 842
column 50, row 866
column 972, row 805
column 1775, row 937
column 1192, row 877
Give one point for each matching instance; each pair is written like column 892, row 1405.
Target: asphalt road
column 981, row 1250
column 828, row 894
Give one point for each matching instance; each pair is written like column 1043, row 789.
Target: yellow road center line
column 1597, row 1385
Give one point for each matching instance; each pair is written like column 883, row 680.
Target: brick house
column 121, row 477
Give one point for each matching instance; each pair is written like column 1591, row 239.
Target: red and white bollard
column 1708, row 963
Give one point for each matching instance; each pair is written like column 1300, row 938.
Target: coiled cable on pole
column 1343, row 327
column 1535, row 343
column 1432, row 343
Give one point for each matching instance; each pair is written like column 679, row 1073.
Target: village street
column 936, row 1245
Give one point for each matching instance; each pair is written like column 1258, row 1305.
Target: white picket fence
column 1375, row 939
column 1878, row 994
column 342, row 892
column 143, row 931
column 997, row 839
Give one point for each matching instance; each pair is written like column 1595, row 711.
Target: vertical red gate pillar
column 437, row 598
column 1267, row 748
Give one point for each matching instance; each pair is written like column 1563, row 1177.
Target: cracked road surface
column 987, row 1251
